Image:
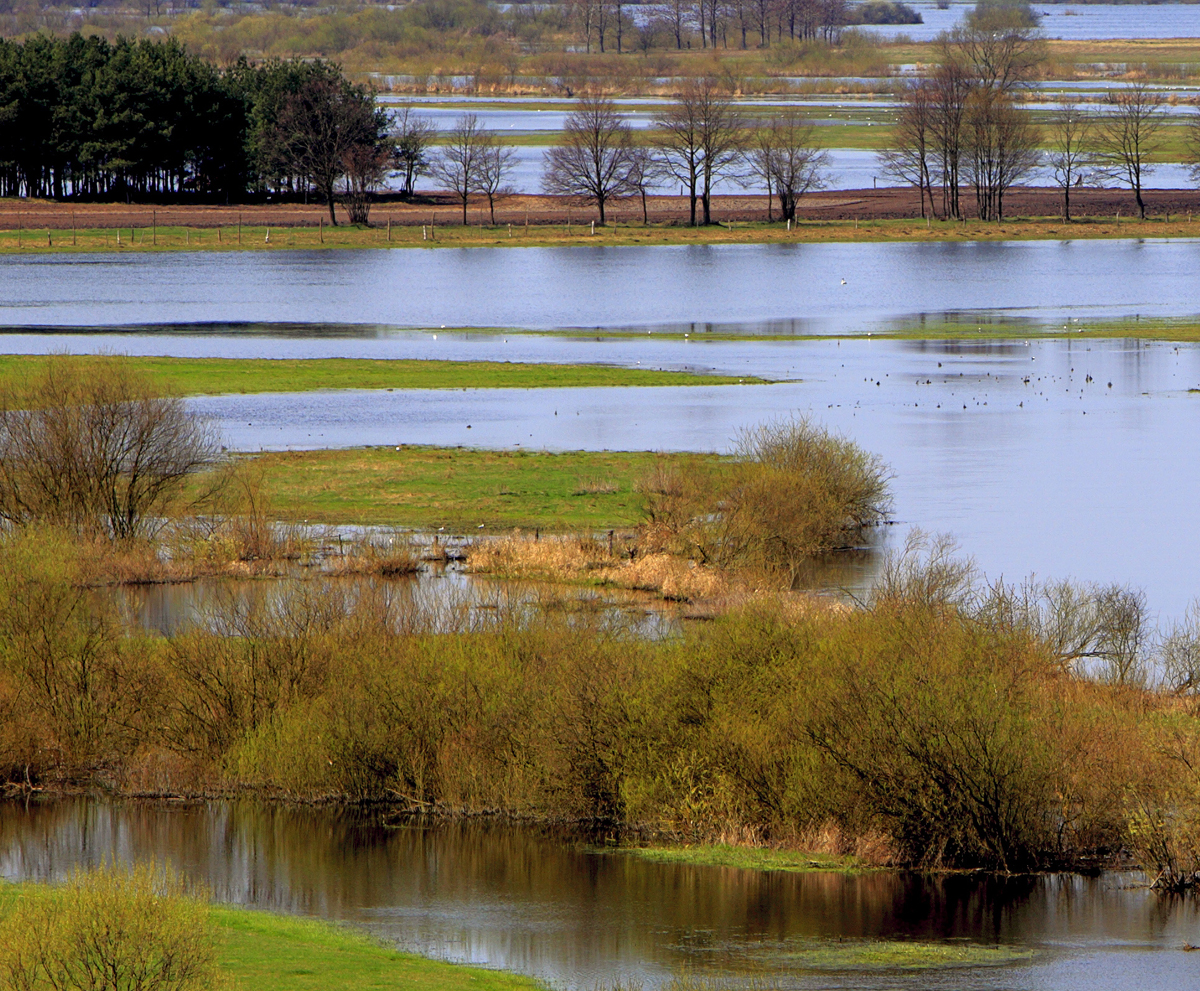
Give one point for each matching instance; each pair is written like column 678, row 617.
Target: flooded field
column 820, row 288
column 542, row 903
column 1068, row 459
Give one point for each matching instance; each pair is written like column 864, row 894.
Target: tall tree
column 595, row 157
column 1071, row 154
column 459, row 161
column 496, row 163
column 785, row 154
column 325, row 125
column 910, row 156
column 701, row 140
column 412, row 137
column 1130, row 134
column 1001, row 145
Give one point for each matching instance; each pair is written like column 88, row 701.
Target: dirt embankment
column 847, row 205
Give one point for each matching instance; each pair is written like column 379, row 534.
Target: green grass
column 616, row 234
column 264, row 952
column 744, row 857
column 213, row 376
column 458, row 488
column 260, row 951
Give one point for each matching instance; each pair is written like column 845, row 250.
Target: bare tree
column 320, row 127
column 458, row 163
column 365, row 167
column 412, row 135
column 496, row 162
column 784, row 153
column 1071, row 154
column 910, row 157
column 995, row 51
column 595, row 157
column 951, row 88
column 1129, row 136
column 677, row 14
column 91, row 446
column 1002, row 148
column 701, row 140
column 646, row 172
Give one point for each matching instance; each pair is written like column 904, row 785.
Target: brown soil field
column 442, row 210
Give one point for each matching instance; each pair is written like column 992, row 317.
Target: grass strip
column 473, row 235
column 266, row 952
column 458, row 488
column 216, row 376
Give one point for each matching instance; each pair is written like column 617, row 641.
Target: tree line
column 697, row 140
column 962, row 126
column 86, row 118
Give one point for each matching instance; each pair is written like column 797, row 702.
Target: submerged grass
column 743, row 857
column 214, row 376
column 891, row 954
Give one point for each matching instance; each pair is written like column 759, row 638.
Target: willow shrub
column 792, row 492
column 109, row 928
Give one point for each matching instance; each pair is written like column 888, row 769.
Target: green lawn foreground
column 260, row 951
column 218, row 376
column 458, row 488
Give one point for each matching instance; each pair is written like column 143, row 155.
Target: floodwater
column 1064, row 458
column 1070, row 22
column 848, row 169
column 830, row 287
column 541, row 903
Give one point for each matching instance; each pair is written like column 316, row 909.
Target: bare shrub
column 109, row 928
column 93, row 447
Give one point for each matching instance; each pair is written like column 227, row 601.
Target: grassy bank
column 260, row 951
column 458, row 488
column 477, row 235
column 266, row 952
column 213, row 376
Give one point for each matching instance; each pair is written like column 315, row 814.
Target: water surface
column 536, row 902
column 830, row 287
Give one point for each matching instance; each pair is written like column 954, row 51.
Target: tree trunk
column 492, row 209
column 464, row 199
column 600, row 204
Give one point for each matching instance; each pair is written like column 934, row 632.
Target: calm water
column 1063, row 475
column 842, row 287
column 534, row 902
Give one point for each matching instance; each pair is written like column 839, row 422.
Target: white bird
column 843, row 281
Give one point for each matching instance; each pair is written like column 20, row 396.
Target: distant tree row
column 697, row 140
column 608, row 25
column 963, row 127
column 85, row 118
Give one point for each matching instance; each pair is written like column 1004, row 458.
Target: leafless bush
column 93, row 447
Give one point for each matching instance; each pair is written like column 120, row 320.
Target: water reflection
column 537, row 901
